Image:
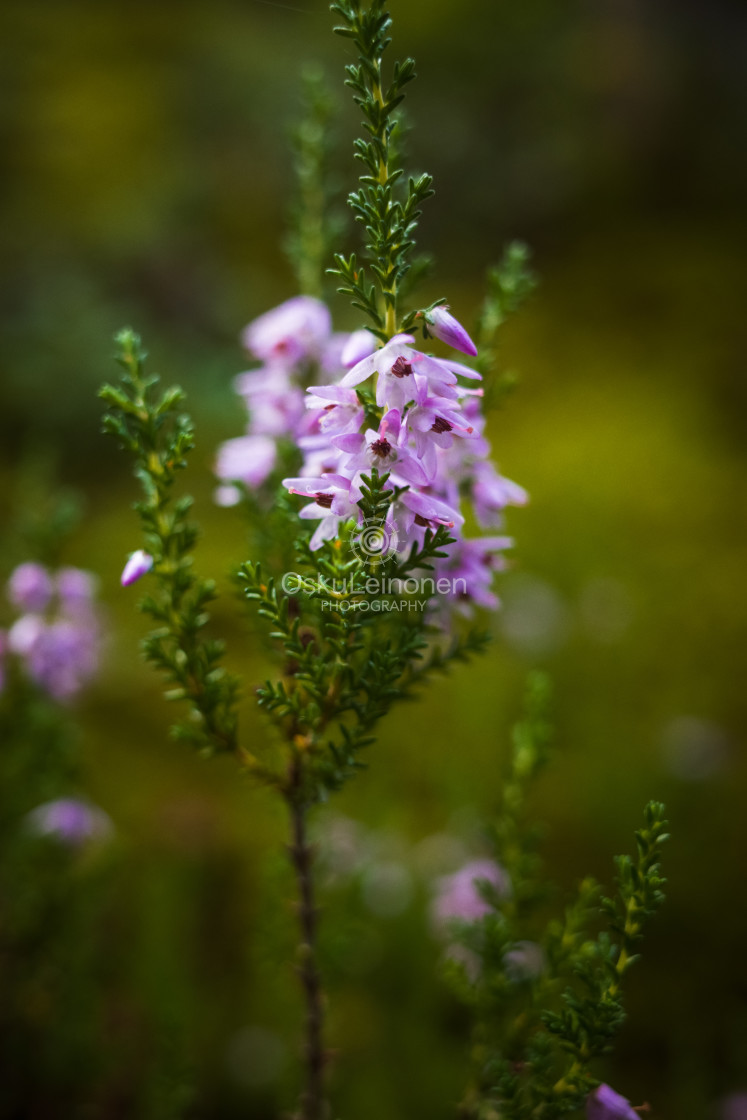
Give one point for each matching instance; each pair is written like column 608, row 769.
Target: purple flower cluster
column 295, row 343
column 429, row 437
column 56, row 638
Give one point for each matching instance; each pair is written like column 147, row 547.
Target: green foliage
column 49, row 1057
column 312, row 228
column 508, row 285
column 343, row 668
column 389, row 216
column 546, row 992
column 153, row 429
column 344, row 664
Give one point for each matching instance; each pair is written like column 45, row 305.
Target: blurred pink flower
column 70, row 820
column 734, row 1107
column 296, row 330
column 30, row 587
column 459, row 897
column 247, row 459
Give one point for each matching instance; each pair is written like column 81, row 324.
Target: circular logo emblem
column 374, row 540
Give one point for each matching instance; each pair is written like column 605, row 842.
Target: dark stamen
column 440, row 425
column 422, row 521
column 324, row 500
column 401, row 368
column 381, row 448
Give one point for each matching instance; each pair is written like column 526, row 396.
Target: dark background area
column 145, row 175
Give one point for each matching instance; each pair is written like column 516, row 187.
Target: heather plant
column 372, row 583
column 49, row 832
column 545, row 988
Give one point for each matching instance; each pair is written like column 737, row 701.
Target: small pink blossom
column 469, row 568
column 297, row 330
column 396, row 363
column 491, row 493
column 30, row 587
column 24, row 633
column 422, row 512
column 335, row 501
column 75, row 588
column 337, row 410
column 61, row 655
column 247, row 459
column 382, row 449
column 358, row 346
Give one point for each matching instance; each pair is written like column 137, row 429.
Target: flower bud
column 605, row 1104
column 138, row 564
column 442, row 324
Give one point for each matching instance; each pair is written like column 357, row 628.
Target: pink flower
column 434, row 422
column 423, row 511
column 358, row 346
column 138, row 564
column 24, row 634
column 30, row 587
column 382, row 449
column 338, row 410
column 295, row 331
column 470, row 569
column 275, row 402
column 60, row 656
column 491, row 493
column 335, row 502
column 70, row 820
column 75, row 588
column 442, row 324
column 247, row 459
column 396, row 363
column 459, row 897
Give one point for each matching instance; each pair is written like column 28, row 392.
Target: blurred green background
column 145, row 175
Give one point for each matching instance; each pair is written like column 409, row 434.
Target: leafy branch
column 311, row 228
column 389, row 217
column 509, row 284
column 547, row 995
column 590, row 1018
column 152, row 428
